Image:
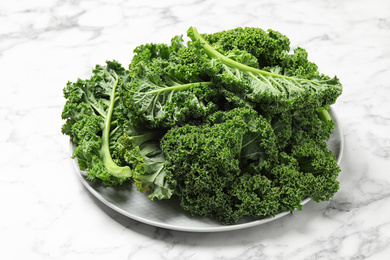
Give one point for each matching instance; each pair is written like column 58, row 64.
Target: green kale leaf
column 89, row 113
column 164, row 90
column 204, row 162
column 268, row 87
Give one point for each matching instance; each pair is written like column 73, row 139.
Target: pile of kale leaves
column 232, row 123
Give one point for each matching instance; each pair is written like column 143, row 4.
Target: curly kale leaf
column 314, row 158
column 165, row 89
column 232, row 166
column 141, row 151
column 108, row 146
column 202, row 162
column 269, row 87
column 167, row 103
column 257, row 147
column 89, row 114
column 299, row 125
column 267, row 47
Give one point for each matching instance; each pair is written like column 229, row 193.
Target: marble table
column 46, row 213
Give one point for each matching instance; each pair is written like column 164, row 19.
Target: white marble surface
column 46, row 213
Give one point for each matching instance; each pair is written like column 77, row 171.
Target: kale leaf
column 108, row 146
column 269, row 87
column 89, row 117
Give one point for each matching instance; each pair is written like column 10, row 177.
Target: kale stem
column 114, row 123
column 179, row 87
column 111, row 166
column 324, row 115
column 114, row 131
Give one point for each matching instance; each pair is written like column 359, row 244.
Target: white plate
column 167, row 214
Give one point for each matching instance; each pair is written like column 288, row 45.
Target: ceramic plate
column 168, row 214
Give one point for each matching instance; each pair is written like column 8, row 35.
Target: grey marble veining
column 48, row 214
